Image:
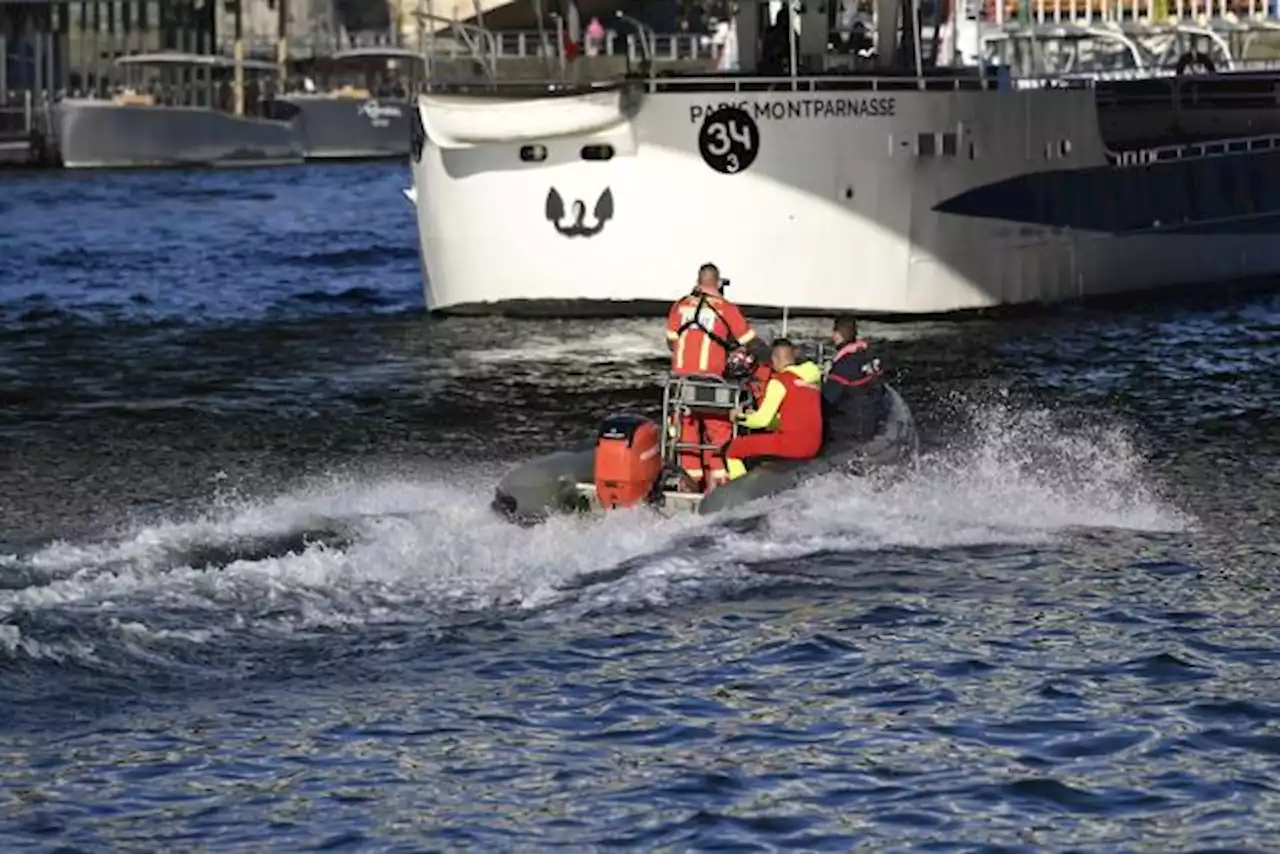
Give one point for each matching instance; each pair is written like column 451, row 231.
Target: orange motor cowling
column 628, row 460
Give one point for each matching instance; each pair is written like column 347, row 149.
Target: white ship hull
column 869, row 199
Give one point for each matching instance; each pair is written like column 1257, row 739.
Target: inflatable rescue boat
column 632, row 460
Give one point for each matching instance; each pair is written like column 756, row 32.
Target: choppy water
column 252, row 597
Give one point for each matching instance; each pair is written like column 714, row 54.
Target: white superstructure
column 893, row 194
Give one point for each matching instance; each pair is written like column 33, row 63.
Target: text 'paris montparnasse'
column 803, row 108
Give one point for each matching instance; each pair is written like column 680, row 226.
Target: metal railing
column 944, row 80
column 508, row 44
column 666, row 47
column 1151, row 11
column 477, row 41
column 17, row 113
column 828, row 85
column 1193, row 150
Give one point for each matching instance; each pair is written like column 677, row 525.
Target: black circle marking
column 729, row 140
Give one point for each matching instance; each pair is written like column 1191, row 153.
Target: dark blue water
column 252, row 597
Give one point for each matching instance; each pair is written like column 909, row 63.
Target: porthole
column 597, row 152
column 533, row 153
column 1064, row 148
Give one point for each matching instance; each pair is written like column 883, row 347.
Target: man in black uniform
column 854, row 400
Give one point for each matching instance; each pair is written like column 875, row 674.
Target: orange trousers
column 706, row 467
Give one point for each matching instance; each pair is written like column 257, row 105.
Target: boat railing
column 1194, row 150
column 647, row 39
column 1053, row 48
column 1121, row 74
column 828, row 85
column 17, row 122
column 512, row 44
column 1153, row 11
column 480, row 44
column 964, row 80
column 17, row 114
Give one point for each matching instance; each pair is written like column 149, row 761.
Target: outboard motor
column 628, row 460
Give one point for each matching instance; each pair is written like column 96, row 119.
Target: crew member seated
column 790, row 414
column 703, row 328
column 854, row 398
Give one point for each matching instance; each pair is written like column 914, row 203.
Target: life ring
column 1194, row 59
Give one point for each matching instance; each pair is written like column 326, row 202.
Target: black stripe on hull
column 1233, row 194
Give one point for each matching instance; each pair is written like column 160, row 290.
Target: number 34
column 725, row 134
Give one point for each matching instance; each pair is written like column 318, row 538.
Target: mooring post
column 239, row 59
column 282, row 42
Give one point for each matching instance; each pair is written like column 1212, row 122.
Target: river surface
column 252, row 596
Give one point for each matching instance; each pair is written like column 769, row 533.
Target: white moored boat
column 888, row 190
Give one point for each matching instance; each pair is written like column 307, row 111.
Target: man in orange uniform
column 791, row 412
column 703, row 328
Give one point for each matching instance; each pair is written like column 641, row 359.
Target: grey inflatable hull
column 562, row 482
column 896, row 442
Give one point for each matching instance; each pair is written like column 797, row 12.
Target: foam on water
column 619, row 343
column 350, row 554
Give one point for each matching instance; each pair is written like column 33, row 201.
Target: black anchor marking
column 602, row 214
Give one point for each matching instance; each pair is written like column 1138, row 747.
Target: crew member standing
column 703, row 328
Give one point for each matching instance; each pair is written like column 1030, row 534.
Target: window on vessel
column 597, row 152
column 925, row 145
column 949, row 145
column 1064, row 148
column 533, row 153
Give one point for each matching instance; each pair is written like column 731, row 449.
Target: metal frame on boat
column 684, row 396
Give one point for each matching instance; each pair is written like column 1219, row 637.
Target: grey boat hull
column 561, row 482
column 100, row 134
column 348, row 128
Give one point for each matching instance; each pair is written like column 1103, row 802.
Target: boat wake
column 431, row 556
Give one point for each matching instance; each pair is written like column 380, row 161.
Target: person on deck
column 854, row 398
column 703, row 328
column 791, row 413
